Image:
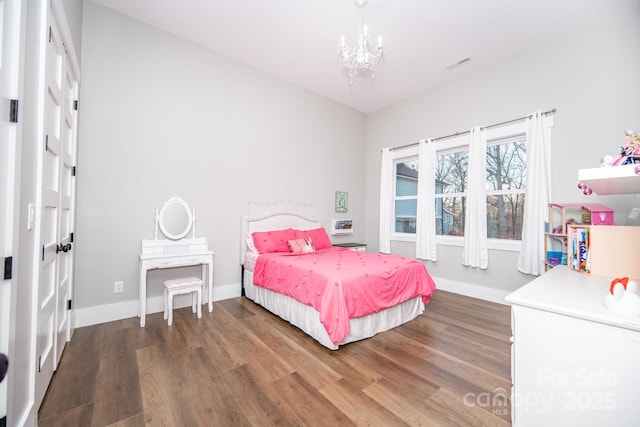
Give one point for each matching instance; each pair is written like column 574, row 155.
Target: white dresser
column 573, row 362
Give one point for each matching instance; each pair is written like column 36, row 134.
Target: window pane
column 504, row 216
column 407, row 178
column 450, row 213
column 506, row 165
column 406, row 216
column 406, row 197
column 451, row 172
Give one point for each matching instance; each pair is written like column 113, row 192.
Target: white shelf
column 611, row 180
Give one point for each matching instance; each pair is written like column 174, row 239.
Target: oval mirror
column 175, row 218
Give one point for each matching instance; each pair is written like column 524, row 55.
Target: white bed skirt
column 307, row 318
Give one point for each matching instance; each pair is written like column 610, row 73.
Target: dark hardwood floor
column 242, row 366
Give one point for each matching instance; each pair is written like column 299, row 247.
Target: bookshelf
column 604, row 250
column 562, row 215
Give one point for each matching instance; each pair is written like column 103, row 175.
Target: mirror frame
column 161, row 223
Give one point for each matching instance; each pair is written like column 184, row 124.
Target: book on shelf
column 579, row 249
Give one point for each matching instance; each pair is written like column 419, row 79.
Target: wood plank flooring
column 242, row 366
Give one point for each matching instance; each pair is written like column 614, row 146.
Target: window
column 451, row 191
column 406, row 196
column 506, row 180
column 505, row 185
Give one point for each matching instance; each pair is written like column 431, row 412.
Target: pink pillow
column 318, row 236
column 273, row 241
column 301, row 246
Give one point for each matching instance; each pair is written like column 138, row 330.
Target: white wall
column 73, row 14
column 590, row 77
column 161, row 117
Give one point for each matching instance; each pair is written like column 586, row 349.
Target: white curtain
column 475, row 252
column 532, row 256
column 426, row 221
column 386, row 191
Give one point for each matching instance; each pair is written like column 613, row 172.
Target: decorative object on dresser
column 175, row 220
column 623, row 297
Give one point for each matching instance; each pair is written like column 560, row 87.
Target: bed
column 334, row 295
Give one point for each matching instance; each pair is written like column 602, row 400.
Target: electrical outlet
column 118, row 287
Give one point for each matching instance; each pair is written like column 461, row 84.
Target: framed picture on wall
column 342, row 201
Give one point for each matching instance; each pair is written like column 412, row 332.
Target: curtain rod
column 553, row 110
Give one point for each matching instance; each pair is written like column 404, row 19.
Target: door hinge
column 43, row 252
column 13, row 110
column 50, row 34
column 46, row 143
column 73, row 171
column 69, row 304
column 75, row 105
column 8, row 267
column 39, row 363
column 71, row 237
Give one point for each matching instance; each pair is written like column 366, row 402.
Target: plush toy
column 623, row 297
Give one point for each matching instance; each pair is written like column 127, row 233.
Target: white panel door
column 50, row 214
column 66, row 209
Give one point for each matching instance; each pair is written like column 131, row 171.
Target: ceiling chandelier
column 360, row 59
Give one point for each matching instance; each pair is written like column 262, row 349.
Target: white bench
column 186, row 285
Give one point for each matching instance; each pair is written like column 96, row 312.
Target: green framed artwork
column 342, row 201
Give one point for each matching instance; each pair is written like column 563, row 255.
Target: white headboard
column 275, row 221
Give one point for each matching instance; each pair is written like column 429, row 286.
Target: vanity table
column 174, row 220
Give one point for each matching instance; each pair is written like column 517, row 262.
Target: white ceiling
column 297, row 40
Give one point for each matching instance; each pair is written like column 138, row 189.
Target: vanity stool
column 187, row 285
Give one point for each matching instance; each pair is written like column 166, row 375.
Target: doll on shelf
column 627, row 154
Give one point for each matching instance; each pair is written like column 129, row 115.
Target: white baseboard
column 474, row 291
column 123, row 310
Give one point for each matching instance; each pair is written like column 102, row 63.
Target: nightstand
column 353, row 246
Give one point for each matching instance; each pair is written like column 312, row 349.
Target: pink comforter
column 343, row 284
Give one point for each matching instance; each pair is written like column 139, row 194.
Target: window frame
column 495, row 135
